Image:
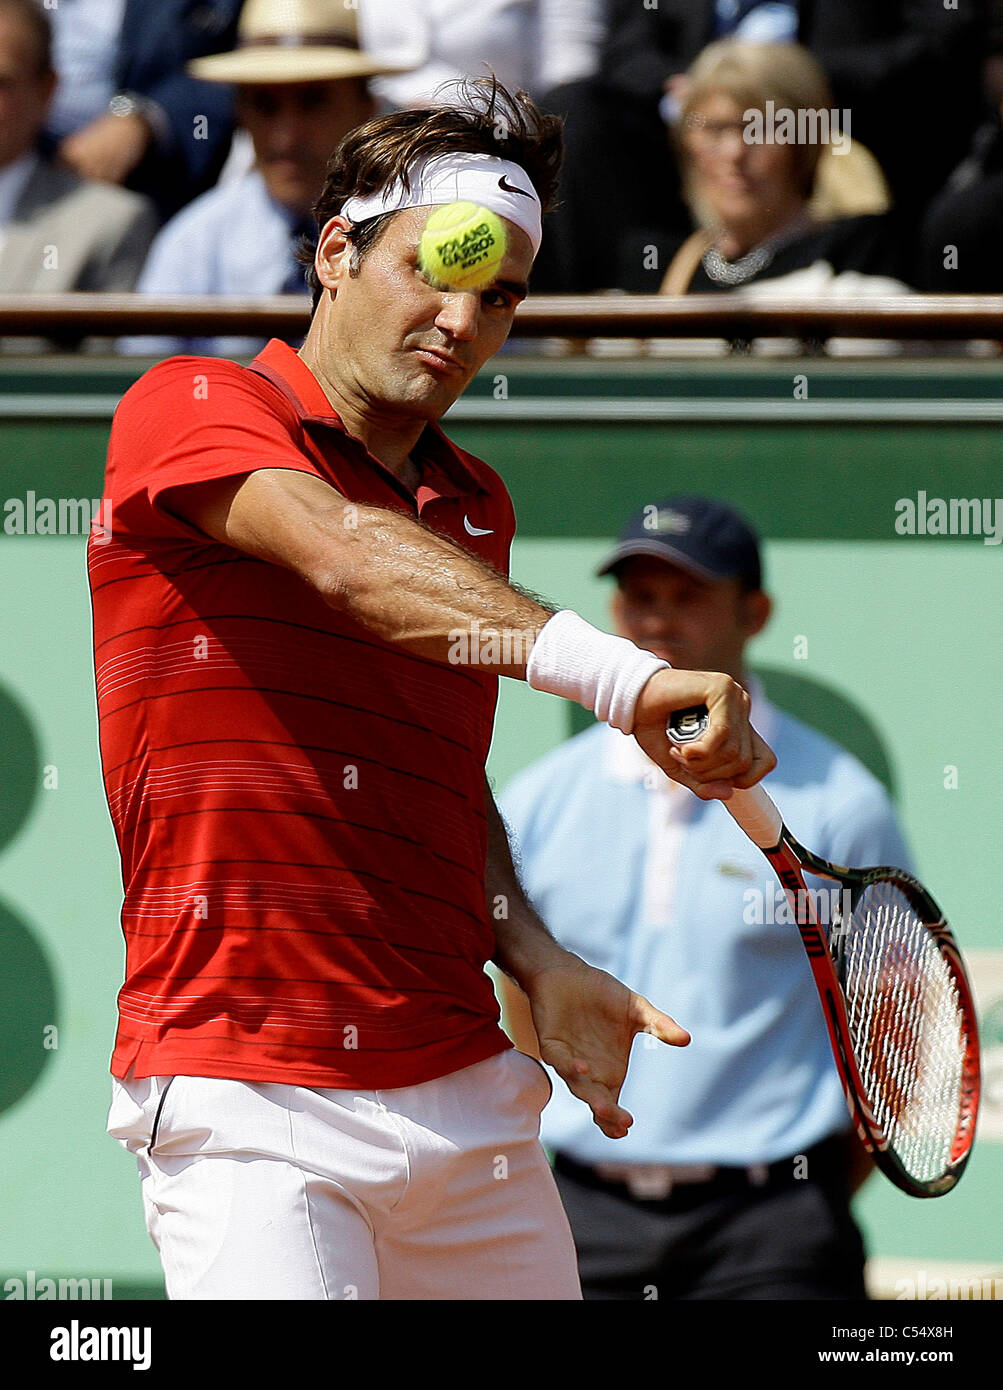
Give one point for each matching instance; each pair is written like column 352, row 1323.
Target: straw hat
column 293, row 41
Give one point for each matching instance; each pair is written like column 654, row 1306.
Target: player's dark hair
column 31, row 13
column 485, row 118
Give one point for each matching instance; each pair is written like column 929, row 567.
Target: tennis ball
column 462, row 246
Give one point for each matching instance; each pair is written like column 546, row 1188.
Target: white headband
column 496, row 184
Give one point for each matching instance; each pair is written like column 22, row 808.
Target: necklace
column 737, row 272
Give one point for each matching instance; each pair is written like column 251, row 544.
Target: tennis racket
column 896, row 998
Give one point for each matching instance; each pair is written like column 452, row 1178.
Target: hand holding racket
column 896, row 999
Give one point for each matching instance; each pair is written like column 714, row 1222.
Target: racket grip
column 752, row 808
column 755, row 812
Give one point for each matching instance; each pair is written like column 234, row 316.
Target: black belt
column 651, row 1184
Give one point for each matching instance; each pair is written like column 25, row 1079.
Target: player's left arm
column 584, row 1019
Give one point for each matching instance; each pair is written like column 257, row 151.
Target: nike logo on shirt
column 475, row 530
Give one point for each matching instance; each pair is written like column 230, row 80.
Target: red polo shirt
column 299, row 806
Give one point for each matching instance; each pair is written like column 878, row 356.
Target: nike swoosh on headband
column 475, row 530
column 458, row 176
column 511, row 188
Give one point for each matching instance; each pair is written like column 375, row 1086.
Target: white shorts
column 437, row 1191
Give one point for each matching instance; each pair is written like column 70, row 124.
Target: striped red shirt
column 299, row 806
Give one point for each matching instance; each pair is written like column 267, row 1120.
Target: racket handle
column 755, row 811
column 752, row 809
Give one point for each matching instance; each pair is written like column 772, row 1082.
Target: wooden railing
column 922, row 317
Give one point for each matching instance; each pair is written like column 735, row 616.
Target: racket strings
column 907, row 1026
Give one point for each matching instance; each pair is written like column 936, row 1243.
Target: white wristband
column 606, row 674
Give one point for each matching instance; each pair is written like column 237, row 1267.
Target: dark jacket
column 155, row 43
column 908, row 70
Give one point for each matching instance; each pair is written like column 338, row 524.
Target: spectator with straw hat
column 301, row 85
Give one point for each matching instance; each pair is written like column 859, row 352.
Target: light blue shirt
column 665, row 892
column 757, row 21
column 235, row 239
column 85, row 36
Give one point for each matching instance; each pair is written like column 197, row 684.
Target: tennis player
column 299, row 622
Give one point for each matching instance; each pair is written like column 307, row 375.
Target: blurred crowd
column 810, row 147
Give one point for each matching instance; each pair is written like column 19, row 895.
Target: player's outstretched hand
column 729, row 754
column 585, row 1021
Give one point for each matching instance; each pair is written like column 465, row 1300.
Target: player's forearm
column 523, row 944
column 420, row 591
column 454, row 608
column 390, row 573
column 423, row 592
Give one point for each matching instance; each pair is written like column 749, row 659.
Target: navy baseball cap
column 697, row 533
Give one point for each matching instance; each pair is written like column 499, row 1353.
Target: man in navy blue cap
column 735, row 1181
column 702, row 536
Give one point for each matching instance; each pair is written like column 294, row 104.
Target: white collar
column 625, row 761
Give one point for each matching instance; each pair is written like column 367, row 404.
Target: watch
column 130, row 104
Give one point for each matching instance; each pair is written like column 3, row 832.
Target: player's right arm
column 355, row 555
